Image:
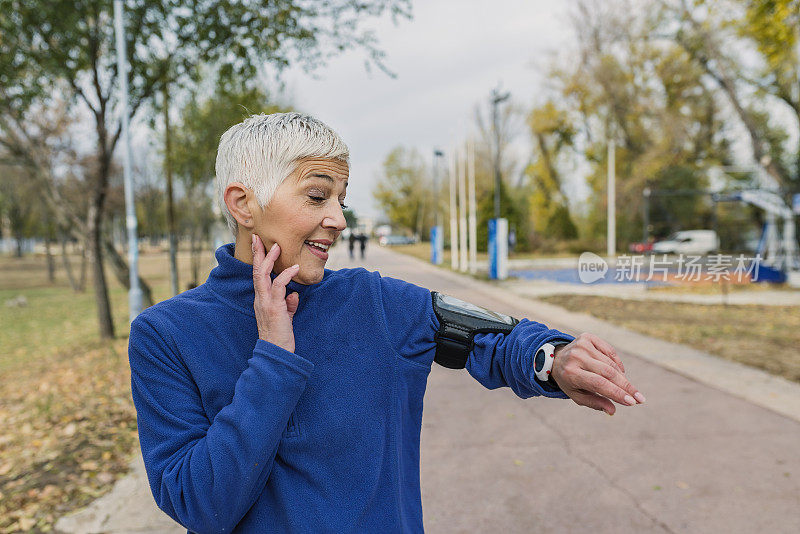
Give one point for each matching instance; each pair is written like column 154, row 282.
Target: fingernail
column 253, row 243
column 273, row 247
column 639, row 397
column 610, row 414
column 296, row 266
column 629, row 400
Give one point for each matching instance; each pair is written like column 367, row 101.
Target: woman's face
column 305, row 216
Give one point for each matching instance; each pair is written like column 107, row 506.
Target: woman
column 283, row 397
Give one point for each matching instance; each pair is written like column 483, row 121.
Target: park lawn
column 766, row 337
column 69, row 425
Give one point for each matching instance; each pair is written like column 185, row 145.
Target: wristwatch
column 543, row 361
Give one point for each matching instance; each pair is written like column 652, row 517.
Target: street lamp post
column 497, row 98
column 437, row 156
column 437, row 234
column 135, row 293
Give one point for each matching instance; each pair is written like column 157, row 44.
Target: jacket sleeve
column 496, row 360
column 410, row 322
column 207, row 474
column 500, row 360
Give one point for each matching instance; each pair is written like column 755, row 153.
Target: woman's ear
column 236, row 199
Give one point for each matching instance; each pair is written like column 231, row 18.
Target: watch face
column 538, row 361
column 457, row 305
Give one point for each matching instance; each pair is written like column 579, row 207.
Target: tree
column 723, row 39
column 552, row 132
column 404, row 191
column 18, row 205
column 351, row 218
column 647, row 94
column 49, row 46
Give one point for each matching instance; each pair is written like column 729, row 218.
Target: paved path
column 700, row 456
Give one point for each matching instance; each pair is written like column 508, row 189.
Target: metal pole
column 611, row 240
column 437, row 234
column 496, row 99
column 135, row 293
column 436, row 155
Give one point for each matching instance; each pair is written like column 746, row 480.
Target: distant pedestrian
column 351, row 245
column 362, row 241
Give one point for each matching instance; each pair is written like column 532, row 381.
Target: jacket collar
column 231, row 281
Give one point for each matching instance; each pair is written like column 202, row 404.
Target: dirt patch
column 69, row 430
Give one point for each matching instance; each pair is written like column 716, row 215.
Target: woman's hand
column 274, row 310
column 589, row 371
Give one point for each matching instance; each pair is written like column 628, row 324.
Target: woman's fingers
column 601, row 365
column 280, row 281
column 600, row 356
column 259, row 283
column 588, row 371
column 292, row 301
column 594, row 401
column 271, row 257
column 603, row 379
column 608, row 350
column 263, row 262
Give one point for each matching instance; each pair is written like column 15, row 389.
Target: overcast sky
column 447, row 60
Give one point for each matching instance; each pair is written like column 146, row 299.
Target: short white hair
column 263, row 150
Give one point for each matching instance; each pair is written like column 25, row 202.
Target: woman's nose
column 335, row 219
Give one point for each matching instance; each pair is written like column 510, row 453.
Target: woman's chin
column 310, row 276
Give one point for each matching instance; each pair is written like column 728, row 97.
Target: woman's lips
column 317, row 251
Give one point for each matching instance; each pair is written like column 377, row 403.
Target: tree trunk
column 195, row 260
column 95, row 242
column 173, row 245
column 51, row 264
column 76, row 285
column 122, row 272
column 84, row 262
column 18, row 252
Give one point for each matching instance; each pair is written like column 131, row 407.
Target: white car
column 688, row 242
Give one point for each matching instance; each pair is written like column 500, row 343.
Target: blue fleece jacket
column 240, row 435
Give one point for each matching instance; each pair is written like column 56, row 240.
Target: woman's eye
column 343, row 205
column 316, row 198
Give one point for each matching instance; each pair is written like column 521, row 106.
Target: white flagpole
column 453, row 215
column 473, row 219
column 462, row 211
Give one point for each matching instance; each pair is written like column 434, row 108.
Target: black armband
column 459, row 321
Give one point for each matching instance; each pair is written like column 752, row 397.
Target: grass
column 765, row 337
column 69, row 425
